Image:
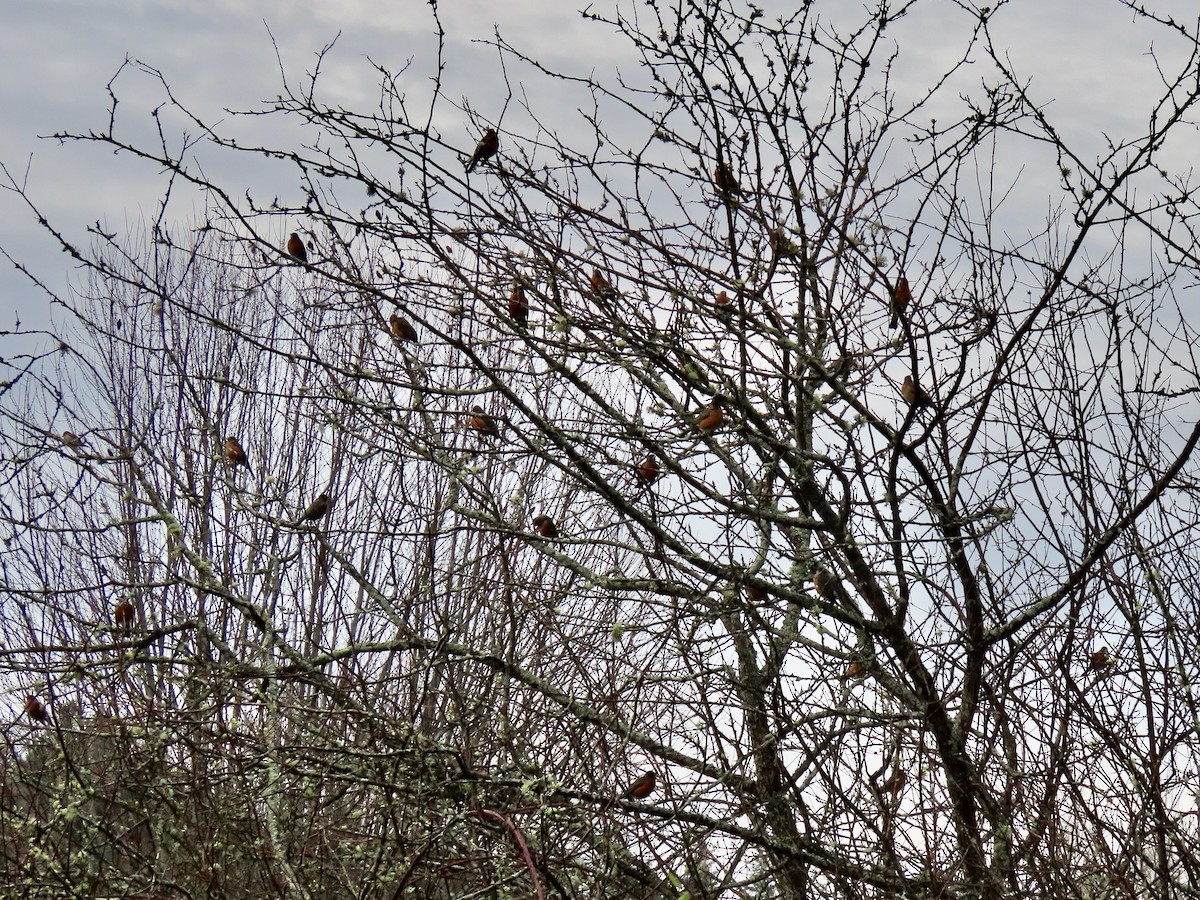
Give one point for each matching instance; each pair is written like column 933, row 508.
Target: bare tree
column 743, row 442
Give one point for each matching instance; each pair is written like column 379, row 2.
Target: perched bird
column 601, row 286
column 34, row 709
column 483, row 423
column 71, row 439
column 825, row 584
column 721, row 300
column 642, row 788
column 401, row 328
column 488, row 146
column 544, row 525
column 725, row 181
column 1100, row 660
column 124, row 614
column 518, row 306
column 901, row 297
column 914, row 395
column 235, row 454
column 712, row 416
column 647, row 471
column 756, row 594
column 318, row 509
column 854, row 671
column 296, row 248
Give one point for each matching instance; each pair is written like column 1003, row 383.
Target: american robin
column 901, row 297
column 235, row 454
column 825, row 584
column 518, row 306
column 71, row 439
column 488, row 146
column 483, row 423
column 124, row 614
column 544, row 525
column 724, row 181
column 756, row 594
column 722, row 300
column 712, row 416
column 296, row 248
column 913, row 394
column 854, row 671
column 601, row 286
column 1100, row 660
column 401, row 328
column 318, row 509
column 642, row 788
column 647, row 471
column 34, row 709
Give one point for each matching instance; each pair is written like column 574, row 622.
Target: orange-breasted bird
column 483, row 423
column 296, row 248
column 725, row 181
column 488, row 146
column 895, row 782
column 401, row 328
column 854, row 670
column 901, row 297
column 721, row 300
column 124, row 614
column 647, row 471
column 318, row 509
column 642, row 788
column 712, row 416
column 34, row 709
column 518, row 306
column 234, row 453
column 913, row 394
column 601, row 286
column 1100, row 660
column 544, row 525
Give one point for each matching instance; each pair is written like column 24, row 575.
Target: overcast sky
column 56, row 57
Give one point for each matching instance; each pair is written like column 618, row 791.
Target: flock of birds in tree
column 646, row 472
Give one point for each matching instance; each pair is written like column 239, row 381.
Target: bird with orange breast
column 642, row 788
column 296, row 249
column 901, row 297
column 402, row 329
column 601, row 286
column 855, row 671
column 647, row 471
column 481, row 423
column 711, row 417
column 914, row 395
column 545, row 527
column 725, row 182
column 124, row 615
column 234, row 453
column 35, row 709
column 518, row 306
column 488, row 146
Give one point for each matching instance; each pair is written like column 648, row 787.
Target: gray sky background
column 1089, row 60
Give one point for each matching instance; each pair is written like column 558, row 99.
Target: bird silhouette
column 488, row 146
column 712, row 416
column 296, row 248
column 725, row 181
column 482, row 423
column 647, row 471
column 642, row 788
column 544, row 525
column 233, row 452
column 901, row 297
column 825, row 584
column 1100, row 660
column 402, row 329
column 318, row 509
column 895, row 782
column 756, row 594
column 34, row 709
column 518, row 306
column 124, row 615
column 914, row 395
